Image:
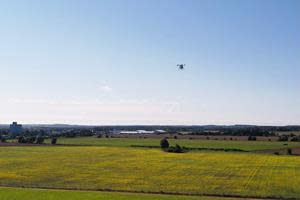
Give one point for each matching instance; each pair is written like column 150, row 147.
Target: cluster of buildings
column 16, row 129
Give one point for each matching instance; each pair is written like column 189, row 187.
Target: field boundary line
column 149, row 192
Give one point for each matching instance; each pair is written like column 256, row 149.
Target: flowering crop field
column 44, row 194
column 127, row 142
column 151, row 170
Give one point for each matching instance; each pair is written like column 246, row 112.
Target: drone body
column 181, row 66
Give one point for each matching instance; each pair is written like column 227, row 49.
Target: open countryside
column 150, row 100
column 94, row 162
column 151, row 171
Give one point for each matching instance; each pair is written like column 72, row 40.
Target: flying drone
column 181, row 66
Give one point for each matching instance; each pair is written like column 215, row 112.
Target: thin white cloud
column 105, row 88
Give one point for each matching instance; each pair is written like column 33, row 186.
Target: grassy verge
column 207, row 144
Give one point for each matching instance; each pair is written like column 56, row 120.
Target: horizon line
column 66, row 124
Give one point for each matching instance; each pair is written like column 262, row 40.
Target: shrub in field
column 53, row 141
column 164, row 143
column 295, row 139
column 289, row 151
column 283, row 138
column 175, row 137
column 292, row 135
column 176, row 149
column 252, row 138
column 169, row 149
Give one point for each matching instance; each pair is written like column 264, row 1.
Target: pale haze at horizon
column 114, row 62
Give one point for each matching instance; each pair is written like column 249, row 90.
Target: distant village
column 15, row 130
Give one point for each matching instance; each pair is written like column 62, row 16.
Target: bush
column 289, row 151
column 53, row 141
column 252, row 138
column 176, row 149
column 164, row 143
column 283, row 138
column 295, row 139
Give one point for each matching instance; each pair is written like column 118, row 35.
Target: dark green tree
column 164, row 143
column 39, row 140
column 53, row 141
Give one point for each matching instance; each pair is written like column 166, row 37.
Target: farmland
column 197, row 143
column 151, row 170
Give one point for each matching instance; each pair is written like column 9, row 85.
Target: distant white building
column 160, row 131
column 15, row 129
column 128, row 132
column 142, row 132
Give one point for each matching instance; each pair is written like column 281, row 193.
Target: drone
column 181, row 66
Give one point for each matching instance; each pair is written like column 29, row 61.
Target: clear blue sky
column 114, row 62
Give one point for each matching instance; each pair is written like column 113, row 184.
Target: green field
column 151, row 170
column 127, row 142
column 42, row 194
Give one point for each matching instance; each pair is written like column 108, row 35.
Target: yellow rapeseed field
column 151, row 170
